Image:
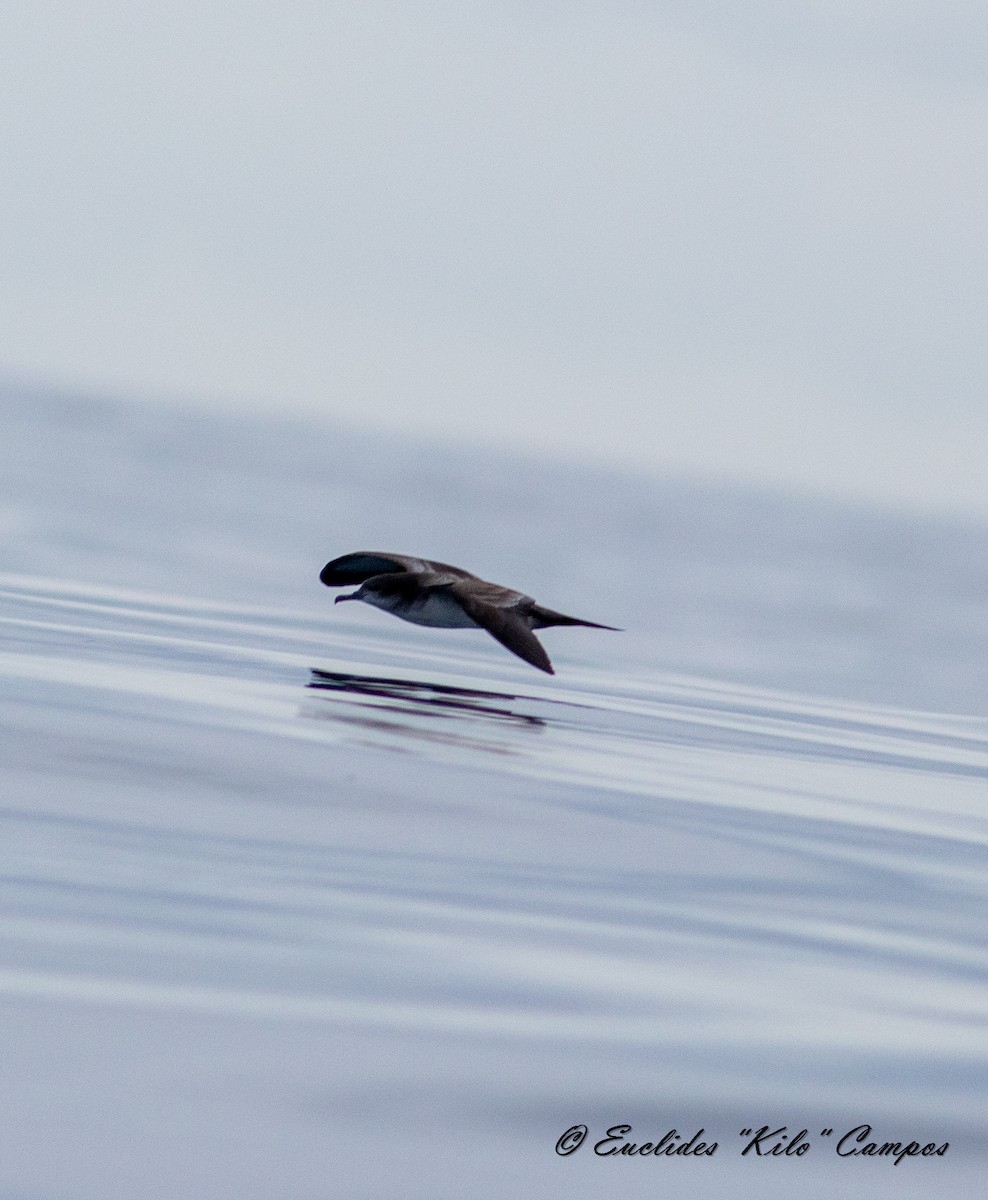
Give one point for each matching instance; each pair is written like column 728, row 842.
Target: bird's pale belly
column 437, row 611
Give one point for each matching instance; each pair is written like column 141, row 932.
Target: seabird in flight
column 445, row 597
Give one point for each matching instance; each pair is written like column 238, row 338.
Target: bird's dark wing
column 507, row 626
column 364, row 564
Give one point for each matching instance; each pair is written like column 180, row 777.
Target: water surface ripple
column 728, row 898
column 309, row 903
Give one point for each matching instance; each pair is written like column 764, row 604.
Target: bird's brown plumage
column 437, row 594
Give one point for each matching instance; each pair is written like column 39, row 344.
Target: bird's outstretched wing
column 364, row 564
column 507, row 626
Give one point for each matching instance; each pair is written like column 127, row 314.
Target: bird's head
column 382, row 591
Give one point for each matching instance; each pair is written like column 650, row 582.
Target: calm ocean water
column 305, row 901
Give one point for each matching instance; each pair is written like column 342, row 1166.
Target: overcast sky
column 740, row 239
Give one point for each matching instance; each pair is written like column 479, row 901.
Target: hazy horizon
column 720, row 241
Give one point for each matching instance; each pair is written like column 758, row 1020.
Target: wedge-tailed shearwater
column 445, row 597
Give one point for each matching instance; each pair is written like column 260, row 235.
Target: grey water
column 305, row 901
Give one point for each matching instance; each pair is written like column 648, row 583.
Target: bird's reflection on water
column 412, row 708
